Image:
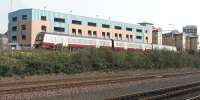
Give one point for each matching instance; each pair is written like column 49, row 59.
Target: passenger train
column 50, row 40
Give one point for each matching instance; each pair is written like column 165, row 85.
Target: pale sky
column 159, row 12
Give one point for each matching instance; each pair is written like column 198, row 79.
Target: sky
column 161, row 13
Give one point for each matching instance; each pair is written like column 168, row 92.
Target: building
column 157, row 36
column 182, row 41
column 3, row 42
column 25, row 24
column 190, row 29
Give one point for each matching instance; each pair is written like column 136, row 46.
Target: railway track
column 164, row 93
column 87, row 82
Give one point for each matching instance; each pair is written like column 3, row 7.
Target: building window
column 76, row 22
column 104, row 34
column 108, row 35
column 127, row 37
column 23, row 37
column 94, row 33
column 138, row 30
column 24, row 17
column 14, row 38
column 60, row 20
column 92, row 24
column 120, row 36
column 44, row 18
column 118, row 27
column 74, row 31
column 89, row 33
column 116, row 36
column 43, row 28
column 59, row 29
column 146, row 31
column 23, row 27
column 14, row 19
column 105, row 26
column 14, row 28
column 129, row 29
column 79, row 32
column 139, row 37
column 131, row 37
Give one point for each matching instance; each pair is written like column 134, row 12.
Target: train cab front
column 39, row 40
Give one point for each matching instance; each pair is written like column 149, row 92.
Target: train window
column 43, row 28
column 95, row 33
column 139, row 37
column 79, row 32
column 89, row 33
column 108, row 35
column 23, row 37
column 76, row 22
column 103, row 34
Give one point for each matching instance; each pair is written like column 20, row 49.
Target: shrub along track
column 37, row 86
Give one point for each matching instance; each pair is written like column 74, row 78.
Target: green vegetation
column 42, row 62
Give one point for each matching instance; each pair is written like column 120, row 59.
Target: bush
column 41, row 62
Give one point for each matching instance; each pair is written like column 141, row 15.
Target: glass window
column 120, row 36
column 105, row 26
column 129, row 29
column 43, row 28
column 14, row 19
column 14, row 28
column 44, row 18
column 23, row 27
column 60, row 20
column 108, row 35
column 95, row 33
column 118, row 27
column 138, row 30
column 139, row 37
column 24, row 17
column 74, row 31
column 89, row 33
column 59, row 29
column 79, row 32
column 14, row 38
column 104, row 34
column 92, row 24
column 23, row 37
column 76, row 22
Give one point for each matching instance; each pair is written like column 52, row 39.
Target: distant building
column 157, row 36
column 190, row 29
column 25, row 24
column 183, row 41
column 3, row 42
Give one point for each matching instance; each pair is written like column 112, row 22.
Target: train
column 54, row 40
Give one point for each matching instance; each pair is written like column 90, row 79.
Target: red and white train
column 50, row 40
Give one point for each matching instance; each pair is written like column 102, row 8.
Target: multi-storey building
column 25, row 24
column 190, row 29
column 182, row 41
